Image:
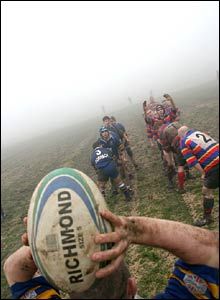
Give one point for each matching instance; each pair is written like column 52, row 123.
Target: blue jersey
column 113, row 143
column 101, row 157
column 192, row 282
column 120, row 127
column 36, row 288
column 116, row 130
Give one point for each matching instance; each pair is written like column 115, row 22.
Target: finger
column 112, row 267
column 24, row 239
column 28, row 264
column 25, row 221
column 113, row 237
column 110, row 254
column 115, row 220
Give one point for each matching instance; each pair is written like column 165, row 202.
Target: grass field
column 24, row 166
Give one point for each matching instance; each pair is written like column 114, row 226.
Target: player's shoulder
column 120, row 126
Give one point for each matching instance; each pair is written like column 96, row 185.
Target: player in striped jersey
column 149, row 121
column 202, row 152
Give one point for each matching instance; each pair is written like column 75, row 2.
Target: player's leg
column 208, row 204
column 113, row 173
column 102, row 179
column 180, row 171
column 130, row 155
column 211, row 181
column 168, row 156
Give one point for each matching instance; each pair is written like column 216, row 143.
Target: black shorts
column 211, row 180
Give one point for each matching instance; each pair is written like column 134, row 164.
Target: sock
column 208, row 204
column 181, row 178
column 122, row 187
column 170, row 173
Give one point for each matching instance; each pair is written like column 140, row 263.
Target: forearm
column 193, row 245
column 19, row 266
column 125, row 136
column 199, row 168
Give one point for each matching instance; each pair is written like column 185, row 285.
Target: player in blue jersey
column 105, row 165
column 109, row 139
column 125, row 140
column 195, row 274
column 112, row 128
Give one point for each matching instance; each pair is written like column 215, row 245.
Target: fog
column 61, row 61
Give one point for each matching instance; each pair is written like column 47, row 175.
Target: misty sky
column 62, row 60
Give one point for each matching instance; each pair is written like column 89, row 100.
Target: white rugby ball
column 63, row 219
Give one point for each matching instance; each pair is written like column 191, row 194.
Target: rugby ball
column 63, row 219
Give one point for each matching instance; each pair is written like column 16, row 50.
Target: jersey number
column 204, row 138
column 98, row 152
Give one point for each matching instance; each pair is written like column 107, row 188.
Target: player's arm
column 200, row 169
column 125, row 134
column 190, row 158
column 19, row 269
column 121, row 147
column 93, row 163
column 191, row 244
column 19, row 266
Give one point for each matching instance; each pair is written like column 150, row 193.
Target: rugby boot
column 130, row 190
column 126, row 191
column 128, row 195
column 114, row 192
column 206, row 220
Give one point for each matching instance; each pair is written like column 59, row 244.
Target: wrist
column 133, row 230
